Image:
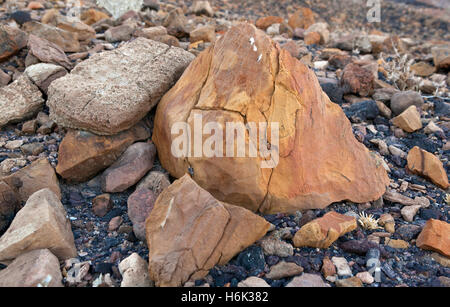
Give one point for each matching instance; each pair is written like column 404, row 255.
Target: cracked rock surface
column 110, row 92
column 247, row 78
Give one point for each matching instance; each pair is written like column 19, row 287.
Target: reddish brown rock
column 41, row 223
column 11, row 41
column 268, row 85
column 357, row 80
column 82, row 154
column 205, row 34
column 435, row 236
column 68, row 41
column 140, row 204
column 83, row 31
column 135, row 162
column 9, row 204
column 303, row 18
column 36, row 176
column 92, row 16
column 102, row 204
column 312, row 38
column 426, row 164
column 441, row 56
column 47, row 52
column 328, row 268
column 322, row 232
column 37, row 268
column 189, row 232
column 423, row 69
column 264, row 22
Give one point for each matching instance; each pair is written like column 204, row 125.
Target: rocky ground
column 84, row 153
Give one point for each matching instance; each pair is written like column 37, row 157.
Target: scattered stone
column 67, row 41
column 272, row 246
column 441, row 56
column 47, row 52
column 9, row 204
column 308, row 281
column 82, row 155
column 423, row 69
column 357, row 80
column 362, row 111
column 202, row 8
column 176, row 232
column 154, row 181
column 43, row 75
column 284, row 269
column 351, row 282
column 397, row 244
column 365, row 277
column 442, row 260
column 115, row 223
column 36, row 268
column 92, row 16
column 400, row 101
column 322, row 232
column 120, row 33
column 426, row 164
column 435, row 236
column 102, row 204
column 320, row 28
column 408, row 232
column 253, row 282
column 328, row 268
column 12, row 40
column 343, row 269
column 409, row 212
column 135, row 162
column 32, row 149
column 134, row 271
column 130, row 88
column 41, row 223
column 409, row 120
column 140, row 204
column 19, row 100
column 205, row 34
column 264, row 22
column 302, row 18
column 433, row 128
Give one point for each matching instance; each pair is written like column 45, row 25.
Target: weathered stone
column 37, row 268
column 312, row 38
column 357, row 80
column 349, row 282
column 302, row 18
column 273, row 246
column 409, row 120
column 401, row 101
column 343, row 269
column 328, row 268
column 48, row 52
column 19, row 100
column 205, row 34
column 43, row 74
column 132, row 79
column 84, row 32
column 365, row 277
column 188, row 226
column 426, row 164
column 119, row 33
column 92, row 16
column 322, row 232
column 283, row 270
column 308, row 281
column 176, row 23
column 135, row 162
column 397, row 244
column 264, row 22
column 441, row 56
column 68, row 41
column 253, row 282
column 442, row 260
column 102, row 204
column 115, row 223
column 140, row 204
column 322, row 29
column 154, row 181
column 41, row 223
column 252, row 89
column 134, row 271
column 423, row 69
column 82, row 155
column 12, row 40
column 151, row 33
column 36, row 176
column 435, row 236
column 409, row 212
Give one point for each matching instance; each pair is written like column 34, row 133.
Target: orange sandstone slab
column 435, row 236
column 426, row 164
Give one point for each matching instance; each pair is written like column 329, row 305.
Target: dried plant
column 447, row 199
column 368, row 221
column 399, row 71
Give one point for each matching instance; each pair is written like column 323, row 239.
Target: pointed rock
column 409, row 120
column 41, row 223
column 231, row 83
column 189, row 232
column 426, row 164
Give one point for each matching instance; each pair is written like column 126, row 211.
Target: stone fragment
column 435, row 236
column 409, row 120
column 302, row 18
column 67, row 41
column 352, row 282
column 343, row 269
column 134, row 271
column 426, row 164
column 308, row 280
column 12, row 40
column 43, row 74
column 253, row 282
column 357, row 80
column 102, row 204
column 284, row 269
column 400, row 101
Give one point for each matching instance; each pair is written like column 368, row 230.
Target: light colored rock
column 44, row 74
column 365, row 277
column 322, row 232
column 351, row 282
column 118, row 7
column 308, row 281
column 34, row 177
column 309, row 173
column 343, row 269
column 202, row 8
column 302, row 18
column 189, row 232
column 111, row 91
column 41, row 224
column 442, row 260
column 397, row 244
column 435, row 236
column 409, row 212
column 426, row 164
column 409, row 120
column 19, row 100
column 272, row 246
column 432, row 128
column 322, row 29
column 134, row 271
column 284, row 269
column 36, row 268
column 253, row 282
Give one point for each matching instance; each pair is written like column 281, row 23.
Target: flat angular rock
column 308, row 280
column 84, row 32
column 322, row 232
column 253, row 282
column 82, row 154
column 68, row 41
column 283, row 270
column 37, row 268
column 48, row 52
column 41, row 224
column 435, row 236
column 426, row 164
column 11, row 41
column 189, row 232
column 43, row 74
column 224, row 86
column 111, row 91
column 9, row 205
column 34, row 177
column 19, row 100
column 135, row 162
column 408, row 120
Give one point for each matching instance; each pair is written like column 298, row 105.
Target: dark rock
column 252, row 259
column 359, row 247
column 333, row 90
column 21, row 17
column 408, row 232
column 362, row 111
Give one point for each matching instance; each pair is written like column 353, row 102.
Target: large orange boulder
column 189, row 232
column 245, row 78
column 435, row 236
